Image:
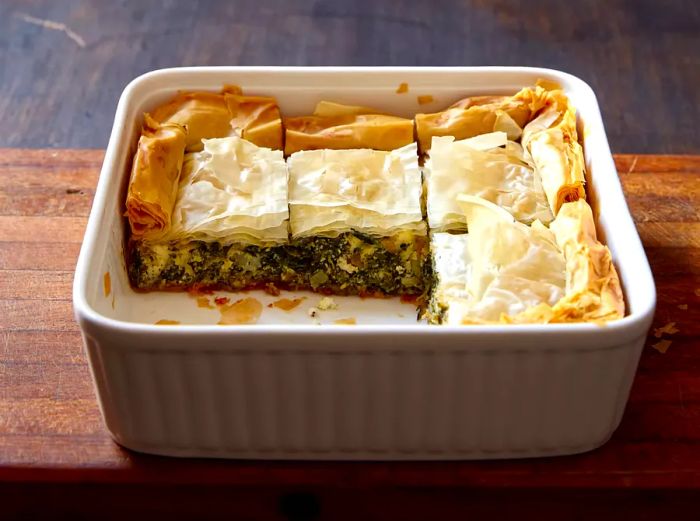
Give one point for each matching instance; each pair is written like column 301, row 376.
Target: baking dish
column 387, row 388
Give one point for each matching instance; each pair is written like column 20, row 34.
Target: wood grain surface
column 53, row 442
column 64, row 63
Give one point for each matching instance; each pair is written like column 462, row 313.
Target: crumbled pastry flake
column 669, row 329
column 243, row 311
column 327, row 303
column 402, row 88
column 662, row 346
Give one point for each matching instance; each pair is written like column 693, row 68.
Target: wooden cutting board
column 51, row 433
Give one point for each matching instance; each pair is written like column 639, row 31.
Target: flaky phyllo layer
column 335, row 191
column 213, row 202
column 232, row 191
column 504, row 271
column 489, row 166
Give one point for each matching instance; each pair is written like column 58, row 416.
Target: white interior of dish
column 297, row 91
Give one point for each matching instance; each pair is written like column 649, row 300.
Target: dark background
column 642, row 57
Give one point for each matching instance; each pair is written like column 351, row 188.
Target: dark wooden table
column 64, row 63
column 57, row 459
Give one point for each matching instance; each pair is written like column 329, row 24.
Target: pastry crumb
column 350, row 321
column 327, row 303
column 402, row 88
column 662, row 346
column 166, row 322
column 425, row 99
column 312, row 312
column 669, row 329
column 243, row 311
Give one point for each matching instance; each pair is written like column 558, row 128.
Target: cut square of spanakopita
column 489, row 166
column 229, row 222
column 356, row 222
column 543, row 120
column 179, row 126
column 504, row 271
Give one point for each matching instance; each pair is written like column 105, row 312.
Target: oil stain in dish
column 286, row 304
column 166, row 322
column 409, row 299
column 244, row 311
column 107, row 284
column 346, row 321
column 203, row 302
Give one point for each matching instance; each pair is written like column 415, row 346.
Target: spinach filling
column 352, row 263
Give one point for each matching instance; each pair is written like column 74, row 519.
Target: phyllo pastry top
column 336, row 126
column 232, row 191
column 489, row 166
column 374, row 192
column 154, row 175
column 504, row 271
column 476, row 115
column 207, row 115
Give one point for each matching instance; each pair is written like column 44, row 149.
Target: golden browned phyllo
column 256, row 119
column 208, row 115
column 336, row 126
column 476, row 115
column 154, row 178
column 593, row 289
column 552, row 142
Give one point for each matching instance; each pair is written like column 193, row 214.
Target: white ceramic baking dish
column 387, row 388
